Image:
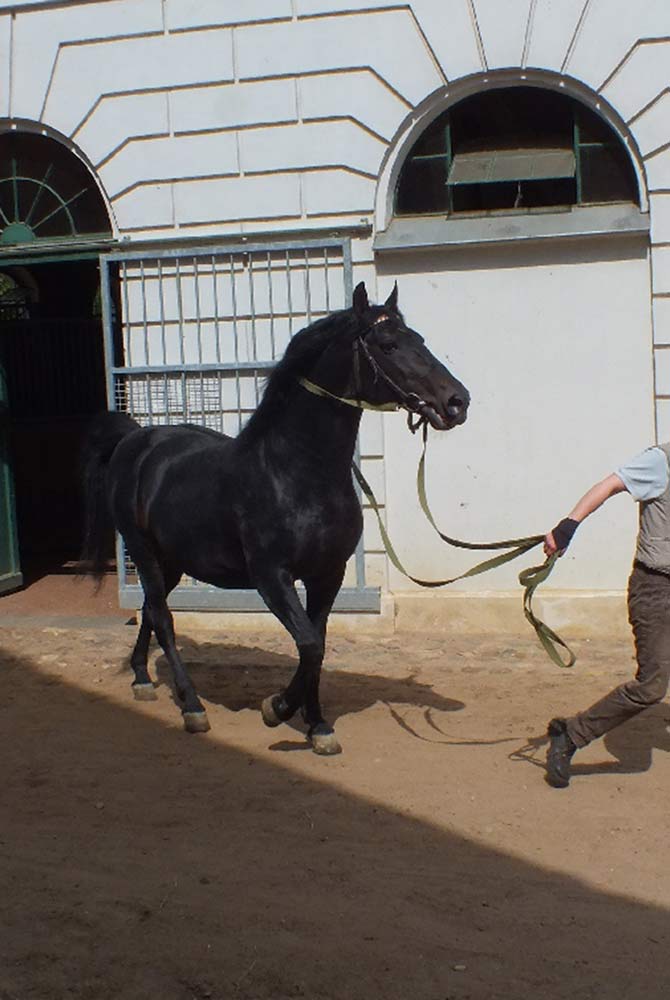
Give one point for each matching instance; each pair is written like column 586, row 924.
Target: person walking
column 647, row 479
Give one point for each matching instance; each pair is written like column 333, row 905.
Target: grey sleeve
column 646, row 476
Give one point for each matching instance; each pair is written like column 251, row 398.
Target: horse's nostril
column 455, row 406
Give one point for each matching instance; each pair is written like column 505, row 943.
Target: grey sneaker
column 559, row 754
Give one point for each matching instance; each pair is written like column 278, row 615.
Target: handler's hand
column 560, row 537
column 549, row 545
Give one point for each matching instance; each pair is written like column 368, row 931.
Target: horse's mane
column 302, row 353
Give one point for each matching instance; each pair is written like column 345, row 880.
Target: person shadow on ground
column 631, row 745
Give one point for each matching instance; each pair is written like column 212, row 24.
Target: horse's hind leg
column 157, row 616
column 143, row 688
column 193, row 711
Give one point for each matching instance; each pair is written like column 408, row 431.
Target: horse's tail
column 105, row 433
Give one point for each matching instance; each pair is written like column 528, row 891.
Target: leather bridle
column 409, row 401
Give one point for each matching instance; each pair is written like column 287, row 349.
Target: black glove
column 563, row 532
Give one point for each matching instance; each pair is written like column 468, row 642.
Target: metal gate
column 10, row 568
column 190, row 335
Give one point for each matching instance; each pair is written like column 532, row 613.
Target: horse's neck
column 321, row 430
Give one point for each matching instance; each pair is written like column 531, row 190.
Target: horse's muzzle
column 438, row 422
column 433, row 417
column 455, row 413
column 457, row 410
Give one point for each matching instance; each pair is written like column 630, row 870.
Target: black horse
column 274, row 505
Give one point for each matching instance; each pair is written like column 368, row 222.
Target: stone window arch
column 514, row 150
column 47, row 193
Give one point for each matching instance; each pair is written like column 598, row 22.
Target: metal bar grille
column 191, row 335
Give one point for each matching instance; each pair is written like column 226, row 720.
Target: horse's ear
column 392, row 300
column 361, row 303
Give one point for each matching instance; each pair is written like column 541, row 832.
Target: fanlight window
column 514, row 149
column 46, row 192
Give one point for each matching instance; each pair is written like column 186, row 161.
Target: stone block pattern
column 300, row 99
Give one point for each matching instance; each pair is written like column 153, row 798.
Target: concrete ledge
column 574, row 614
column 339, row 623
column 430, row 232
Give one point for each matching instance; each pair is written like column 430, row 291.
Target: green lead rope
column 529, row 578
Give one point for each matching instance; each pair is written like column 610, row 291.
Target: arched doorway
column 53, row 221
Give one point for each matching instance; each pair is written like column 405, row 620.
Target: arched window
column 514, row 149
column 46, row 192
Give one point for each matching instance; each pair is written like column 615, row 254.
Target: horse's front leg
column 278, row 592
column 321, row 594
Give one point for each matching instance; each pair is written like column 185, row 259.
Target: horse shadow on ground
column 239, row 677
column 631, row 745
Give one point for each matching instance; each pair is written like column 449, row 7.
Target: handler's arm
column 594, row 498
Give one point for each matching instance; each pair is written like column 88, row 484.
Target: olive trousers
column 649, row 616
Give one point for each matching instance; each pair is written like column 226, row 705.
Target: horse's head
column 395, row 366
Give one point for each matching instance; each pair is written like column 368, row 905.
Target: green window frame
column 514, row 125
column 47, row 193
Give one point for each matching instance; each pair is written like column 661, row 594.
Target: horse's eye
column 388, row 346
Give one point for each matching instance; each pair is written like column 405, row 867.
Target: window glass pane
column 484, row 197
column 37, row 203
column 606, row 175
column 592, row 128
column 433, row 140
column 519, row 195
column 6, row 203
column 423, row 187
column 557, row 192
column 512, row 117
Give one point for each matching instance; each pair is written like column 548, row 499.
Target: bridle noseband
column 408, row 401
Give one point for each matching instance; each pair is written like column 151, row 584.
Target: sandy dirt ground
column 430, row 860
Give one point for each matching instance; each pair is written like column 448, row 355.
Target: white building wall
column 162, row 97
column 555, row 345
column 215, row 118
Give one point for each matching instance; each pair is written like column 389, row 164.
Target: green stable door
column 10, row 570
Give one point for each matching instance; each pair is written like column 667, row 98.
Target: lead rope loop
column 529, row 578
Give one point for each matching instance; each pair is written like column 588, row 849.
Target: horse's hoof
column 196, row 722
column 324, row 743
column 144, row 692
column 270, row 717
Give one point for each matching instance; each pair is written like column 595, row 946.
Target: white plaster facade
column 216, row 119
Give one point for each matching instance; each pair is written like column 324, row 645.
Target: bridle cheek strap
column 409, row 401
